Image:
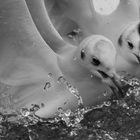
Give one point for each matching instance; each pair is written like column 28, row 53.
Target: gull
column 27, row 59
column 129, row 45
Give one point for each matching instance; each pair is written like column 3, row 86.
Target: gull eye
column 131, row 46
column 120, row 40
column 82, row 54
column 95, row 61
column 139, row 28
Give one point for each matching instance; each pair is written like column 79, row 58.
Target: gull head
column 98, row 55
column 129, row 43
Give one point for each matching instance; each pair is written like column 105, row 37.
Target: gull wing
column 24, row 55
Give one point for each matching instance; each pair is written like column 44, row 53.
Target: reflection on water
column 115, row 119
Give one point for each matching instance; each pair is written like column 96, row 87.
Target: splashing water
column 73, row 90
column 111, row 120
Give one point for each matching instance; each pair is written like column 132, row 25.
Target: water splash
column 72, row 119
column 73, row 90
column 110, row 120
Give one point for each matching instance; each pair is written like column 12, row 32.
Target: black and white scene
column 69, row 69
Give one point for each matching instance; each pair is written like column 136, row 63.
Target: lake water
column 114, row 119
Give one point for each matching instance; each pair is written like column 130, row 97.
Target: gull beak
column 138, row 58
column 114, row 82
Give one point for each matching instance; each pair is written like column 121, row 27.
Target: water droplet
column 68, row 112
column 73, row 90
column 73, row 133
column 134, row 82
column 123, row 104
column 25, row 112
column 98, row 123
column 34, row 107
column 47, row 86
column 61, row 80
column 107, row 103
column 108, row 137
column 50, row 75
column 60, row 109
